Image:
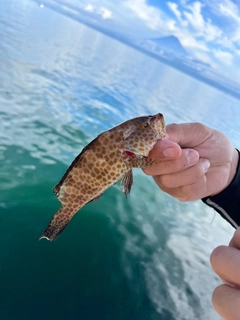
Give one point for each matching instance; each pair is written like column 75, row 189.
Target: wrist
column 234, row 166
column 227, row 202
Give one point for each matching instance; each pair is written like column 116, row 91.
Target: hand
column 200, row 161
column 225, row 262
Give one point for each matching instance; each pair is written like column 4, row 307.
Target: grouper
column 108, row 158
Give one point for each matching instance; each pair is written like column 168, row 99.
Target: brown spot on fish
column 108, row 158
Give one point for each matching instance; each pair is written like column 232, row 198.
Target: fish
column 111, row 156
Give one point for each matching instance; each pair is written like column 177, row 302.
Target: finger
column 187, row 158
column 185, row 177
column 226, row 301
column 188, row 192
column 235, row 242
column 165, row 149
column 188, row 134
column 225, row 262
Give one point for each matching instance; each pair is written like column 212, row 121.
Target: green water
column 145, row 257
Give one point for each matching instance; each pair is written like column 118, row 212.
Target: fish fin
column 139, row 161
column 126, row 183
column 57, row 224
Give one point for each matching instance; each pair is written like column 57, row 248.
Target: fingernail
column 169, row 153
column 205, row 164
column 192, row 157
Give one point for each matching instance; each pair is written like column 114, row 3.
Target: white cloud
column 191, row 19
column 89, row 8
column 204, row 37
column 201, row 27
column 152, row 17
column 229, row 13
column 157, row 20
column 194, row 17
column 229, row 9
column 223, row 56
column 105, row 13
column 190, row 42
column 204, row 57
column 174, row 8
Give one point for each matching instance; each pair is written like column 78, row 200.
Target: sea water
column 145, row 257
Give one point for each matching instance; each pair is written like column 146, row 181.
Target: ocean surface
column 143, row 258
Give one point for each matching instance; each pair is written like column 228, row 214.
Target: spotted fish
column 105, row 160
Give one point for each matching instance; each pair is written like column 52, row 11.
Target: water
column 145, row 257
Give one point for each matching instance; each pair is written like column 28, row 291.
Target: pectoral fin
column 127, row 182
column 143, row 162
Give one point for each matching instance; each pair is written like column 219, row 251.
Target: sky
column 208, row 30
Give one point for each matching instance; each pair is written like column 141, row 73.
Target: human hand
column 225, row 262
column 200, row 162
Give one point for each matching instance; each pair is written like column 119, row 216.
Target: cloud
column 89, row 8
column 232, row 13
column 192, row 19
column 202, row 35
column 204, row 57
column 182, row 28
column 223, row 56
column 229, row 9
column 208, row 30
column 105, row 13
column 151, row 16
column 187, row 40
column 174, row 8
column 194, row 16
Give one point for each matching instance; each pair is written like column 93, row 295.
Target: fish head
column 147, row 131
column 157, row 126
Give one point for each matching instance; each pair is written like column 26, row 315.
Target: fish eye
column 145, row 125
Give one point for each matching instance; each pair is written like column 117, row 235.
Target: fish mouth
column 158, row 117
column 158, row 121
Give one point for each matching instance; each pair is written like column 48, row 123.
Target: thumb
column 188, row 135
column 165, row 149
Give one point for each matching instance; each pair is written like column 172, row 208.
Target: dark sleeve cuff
column 227, row 202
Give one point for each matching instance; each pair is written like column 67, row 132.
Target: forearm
column 227, row 202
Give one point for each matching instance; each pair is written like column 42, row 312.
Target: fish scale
column 108, row 158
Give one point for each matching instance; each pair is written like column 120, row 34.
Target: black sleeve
column 227, row 202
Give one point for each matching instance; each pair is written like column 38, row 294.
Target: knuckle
column 162, row 187
column 199, row 125
column 147, row 171
column 186, row 191
column 181, row 163
column 174, row 127
column 164, row 181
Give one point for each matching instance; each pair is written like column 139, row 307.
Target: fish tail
column 57, row 224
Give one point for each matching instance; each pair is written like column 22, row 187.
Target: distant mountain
column 170, row 43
